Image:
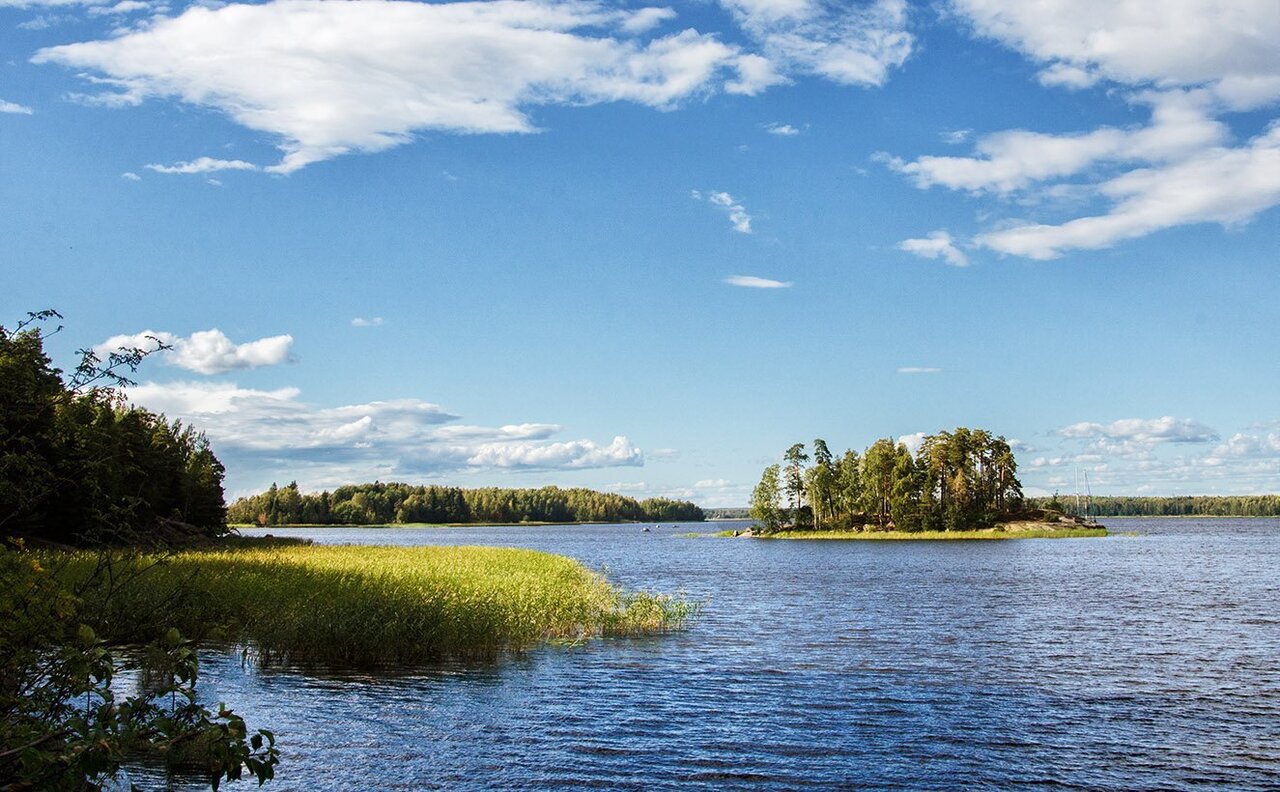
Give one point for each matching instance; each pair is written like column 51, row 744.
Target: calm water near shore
column 1132, row 661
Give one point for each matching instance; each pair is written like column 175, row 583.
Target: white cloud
column 738, row 216
column 753, row 282
column 570, row 455
column 14, row 108
column 1229, row 186
column 130, row 176
column 360, row 321
column 1219, row 43
column 123, row 7
column 847, row 43
column 1143, row 430
column 329, row 77
column 913, row 442
column 782, row 130
column 205, row 351
column 1064, row 75
column 1191, row 61
column 266, row 435
column 955, row 137
column 919, row 370
column 937, row 245
column 1248, row 445
column 204, row 165
column 1016, row 159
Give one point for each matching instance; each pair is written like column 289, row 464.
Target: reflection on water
column 1139, row 661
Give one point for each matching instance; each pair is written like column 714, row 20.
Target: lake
column 1149, row 659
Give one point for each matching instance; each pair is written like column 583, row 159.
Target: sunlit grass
column 361, row 605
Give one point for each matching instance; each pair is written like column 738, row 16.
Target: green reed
column 363, row 605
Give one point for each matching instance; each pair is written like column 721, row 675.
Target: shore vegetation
column 349, row 605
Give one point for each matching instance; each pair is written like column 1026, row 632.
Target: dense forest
column 78, row 465
column 381, row 504
column 1176, row 506
column 957, row 480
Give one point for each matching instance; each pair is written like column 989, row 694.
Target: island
column 960, row 484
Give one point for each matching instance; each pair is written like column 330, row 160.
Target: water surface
column 1134, row 661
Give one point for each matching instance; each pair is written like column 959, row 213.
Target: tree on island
column 962, row 479
column 766, row 501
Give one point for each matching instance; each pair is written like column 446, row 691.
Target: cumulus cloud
column 738, row 216
column 205, row 351
column 14, row 108
column 913, row 441
column 937, row 245
column 204, row 165
column 360, row 321
column 1144, row 430
column 274, row 434
column 753, row 282
column 328, row 77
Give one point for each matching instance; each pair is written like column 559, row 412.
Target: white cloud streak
column 753, row 282
column 15, row 109
column 360, row 321
column 204, row 165
column 919, row 370
column 205, row 351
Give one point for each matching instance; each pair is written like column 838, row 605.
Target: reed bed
column 356, row 605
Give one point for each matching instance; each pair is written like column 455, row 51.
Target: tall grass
column 366, row 605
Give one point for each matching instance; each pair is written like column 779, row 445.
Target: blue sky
column 646, row 248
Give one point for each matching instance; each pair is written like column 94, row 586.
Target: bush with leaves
column 62, row 723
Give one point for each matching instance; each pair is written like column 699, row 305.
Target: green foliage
column 78, row 466
column 350, row 605
column 381, row 504
column 958, row 480
column 766, row 501
column 63, row 725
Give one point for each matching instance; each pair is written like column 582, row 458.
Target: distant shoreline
column 1018, row 530
column 532, row 524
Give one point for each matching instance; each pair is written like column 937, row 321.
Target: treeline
column 1176, row 506
column 957, row 480
column 380, row 504
column 77, row 465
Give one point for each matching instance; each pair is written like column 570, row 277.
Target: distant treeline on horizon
column 1168, row 506
column 381, row 504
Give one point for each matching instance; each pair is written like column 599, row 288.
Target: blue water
column 1149, row 661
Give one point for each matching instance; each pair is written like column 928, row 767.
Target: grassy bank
column 1009, row 531
column 364, row 605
